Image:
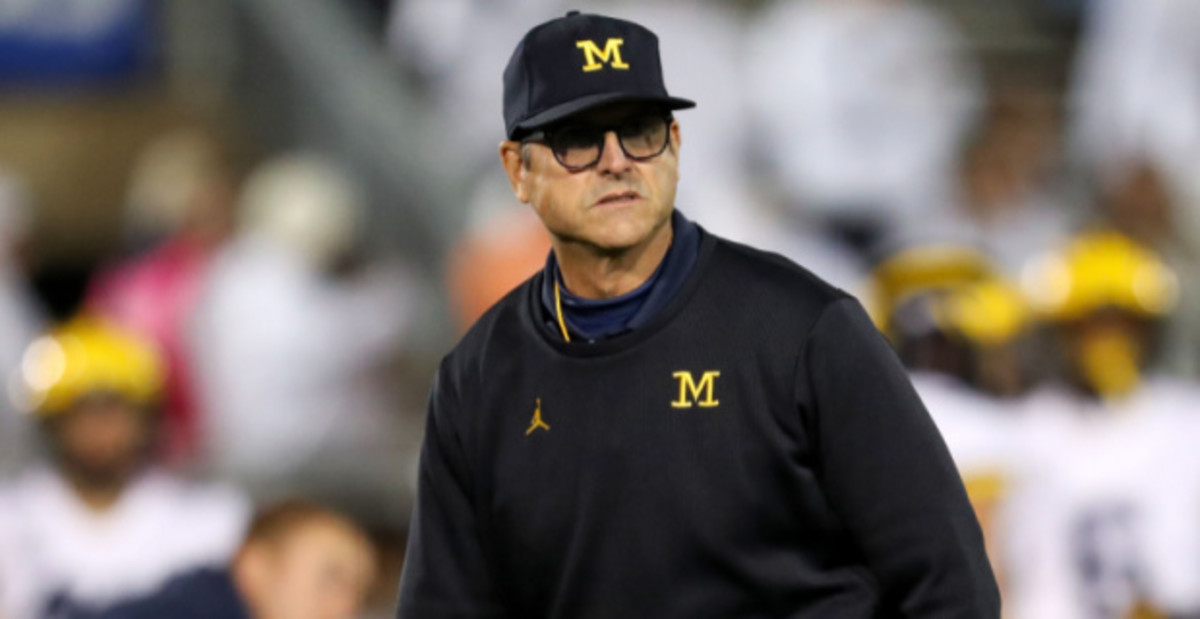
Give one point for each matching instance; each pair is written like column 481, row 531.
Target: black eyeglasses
column 578, row 147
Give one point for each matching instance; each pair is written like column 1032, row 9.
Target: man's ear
column 514, row 167
column 251, row 571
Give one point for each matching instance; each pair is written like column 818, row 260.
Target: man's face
column 322, row 570
column 101, row 440
column 616, row 204
column 1107, row 351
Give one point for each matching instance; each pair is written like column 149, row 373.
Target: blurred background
column 237, row 237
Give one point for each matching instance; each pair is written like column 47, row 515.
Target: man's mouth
column 619, row 197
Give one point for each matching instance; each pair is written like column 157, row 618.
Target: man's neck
column 595, row 274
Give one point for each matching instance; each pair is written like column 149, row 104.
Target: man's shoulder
column 758, row 276
column 496, row 329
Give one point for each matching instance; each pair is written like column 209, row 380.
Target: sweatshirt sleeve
column 888, row 474
column 445, row 571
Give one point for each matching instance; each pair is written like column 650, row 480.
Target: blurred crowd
column 237, row 357
column 222, row 422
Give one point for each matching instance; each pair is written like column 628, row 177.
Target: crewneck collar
column 592, row 320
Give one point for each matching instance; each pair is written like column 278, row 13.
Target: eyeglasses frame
column 546, row 136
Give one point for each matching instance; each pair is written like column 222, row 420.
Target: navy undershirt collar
column 596, row 319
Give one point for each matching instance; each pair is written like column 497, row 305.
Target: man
column 102, row 523
column 299, row 561
column 663, row 423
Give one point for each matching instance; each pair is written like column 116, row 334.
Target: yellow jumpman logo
column 537, row 420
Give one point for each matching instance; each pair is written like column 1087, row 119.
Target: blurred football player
column 100, row 522
column 948, row 310
column 1109, row 515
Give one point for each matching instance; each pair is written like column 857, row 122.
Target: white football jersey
column 1107, row 516
column 53, row 546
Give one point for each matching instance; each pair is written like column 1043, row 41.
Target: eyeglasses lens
column 641, row 138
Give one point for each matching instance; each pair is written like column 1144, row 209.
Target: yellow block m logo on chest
column 597, row 58
column 692, row 393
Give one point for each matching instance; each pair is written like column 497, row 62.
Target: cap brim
column 570, row 108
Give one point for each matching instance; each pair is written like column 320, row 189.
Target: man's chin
column 101, row 476
column 617, row 243
column 621, row 235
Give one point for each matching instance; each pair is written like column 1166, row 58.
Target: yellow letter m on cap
column 691, row 392
column 610, row 55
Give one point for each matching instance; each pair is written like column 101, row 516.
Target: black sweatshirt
column 754, row 450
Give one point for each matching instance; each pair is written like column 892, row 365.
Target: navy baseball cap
column 578, row 62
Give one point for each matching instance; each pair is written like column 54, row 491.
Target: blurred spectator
column 1138, row 203
column 1006, row 195
column 861, row 106
column 504, row 245
column 1106, row 524
column 958, row 326
column 299, row 561
column 293, row 336
column 20, row 322
column 101, row 522
column 179, row 211
column 75, row 41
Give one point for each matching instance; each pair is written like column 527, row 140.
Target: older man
column 663, row 423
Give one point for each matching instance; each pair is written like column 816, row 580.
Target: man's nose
column 613, row 159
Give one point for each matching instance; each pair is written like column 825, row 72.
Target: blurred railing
column 312, row 75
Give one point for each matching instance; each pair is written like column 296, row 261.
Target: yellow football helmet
column 989, row 312
column 88, row 355
column 1097, row 270
column 1102, row 270
column 962, row 292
